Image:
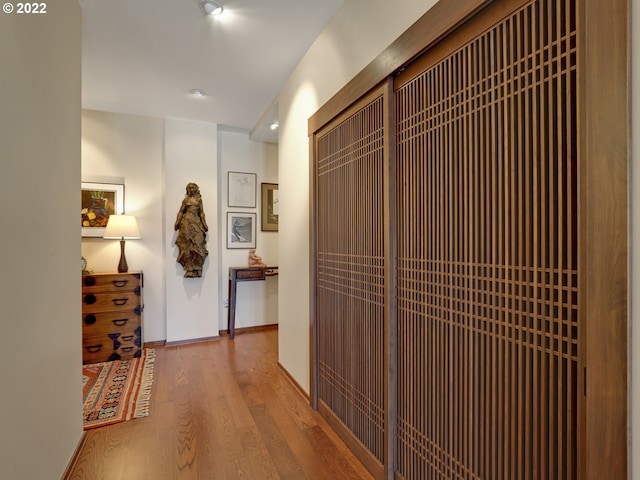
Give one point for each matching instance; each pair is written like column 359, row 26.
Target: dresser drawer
column 103, row 302
column 111, row 282
column 252, row 274
column 102, row 323
column 121, row 337
column 114, row 346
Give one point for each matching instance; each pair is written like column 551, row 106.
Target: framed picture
column 242, row 190
column 241, row 230
column 269, row 220
column 99, row 201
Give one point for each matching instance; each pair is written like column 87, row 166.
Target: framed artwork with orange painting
column 99, row 201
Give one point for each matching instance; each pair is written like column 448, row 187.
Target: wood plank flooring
column 219, row 410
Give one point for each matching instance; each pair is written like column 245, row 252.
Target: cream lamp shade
column 123, row 227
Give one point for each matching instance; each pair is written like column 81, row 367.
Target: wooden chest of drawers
column 111, row 316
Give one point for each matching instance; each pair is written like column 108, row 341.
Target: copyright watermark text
column 24, row 8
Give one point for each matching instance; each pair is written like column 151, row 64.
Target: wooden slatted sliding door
column 350, row 276
column 487, row 265
column 470, row 244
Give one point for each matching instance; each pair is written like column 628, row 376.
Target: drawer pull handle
column 90, row 299
column 128, row 338
column 119, row 322
column 126, row 349
column 90, row 319
column 119, row 283
column 120, row 301
column 93, row 348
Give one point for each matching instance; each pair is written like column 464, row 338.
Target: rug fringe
column 146, row 381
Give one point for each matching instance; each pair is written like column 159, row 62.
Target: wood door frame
column 382, row 91
column 604, row 122
column 603, row 149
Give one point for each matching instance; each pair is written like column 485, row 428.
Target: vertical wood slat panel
column 350, row 289
column 486, row 265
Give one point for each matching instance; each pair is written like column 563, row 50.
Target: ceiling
column 144, row 56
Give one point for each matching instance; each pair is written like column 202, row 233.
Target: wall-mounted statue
column 192, row 229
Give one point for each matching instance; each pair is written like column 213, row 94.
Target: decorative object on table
column 242, row 190
column 123, row 227
column 85, row 270
column 241, row 230
column 117, row 391
column 255, row 260
column 98, row 202
column 192, row 230
column 112, row 320
column 269, row 220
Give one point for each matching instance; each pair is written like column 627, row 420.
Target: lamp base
column 122, row 266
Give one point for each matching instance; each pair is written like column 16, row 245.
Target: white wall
column 257, row 302
column 155, row 159
column 359, row 32
column 128, row 149
column 191, row 156
column 40, row 351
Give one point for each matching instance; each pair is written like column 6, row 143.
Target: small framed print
column 241, row 230
column 269, row 220
column 99, row 201
column 242, row 190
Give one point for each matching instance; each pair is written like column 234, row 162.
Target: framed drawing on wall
column 242, row 190
column 269, row 220
column 98, row 202
column 241, row 230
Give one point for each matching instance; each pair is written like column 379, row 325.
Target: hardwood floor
column 219, row 410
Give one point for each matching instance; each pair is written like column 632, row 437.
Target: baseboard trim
column 191, row 340
column 293, row 381
column 164, row 343
column 359, row 450
column 258, row 328
column 75, row 456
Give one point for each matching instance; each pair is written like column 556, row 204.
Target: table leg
column 232, row 308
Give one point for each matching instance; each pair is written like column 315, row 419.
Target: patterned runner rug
column 117, row 391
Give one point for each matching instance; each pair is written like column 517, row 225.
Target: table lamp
column 122, row 227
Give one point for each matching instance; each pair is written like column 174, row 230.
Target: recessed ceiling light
column 211, row 8
column 196, row 92
column 274, row 125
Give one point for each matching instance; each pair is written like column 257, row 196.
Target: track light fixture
column 211, row 8
column 197, row 92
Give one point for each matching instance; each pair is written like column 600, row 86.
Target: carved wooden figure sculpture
column 192, row 229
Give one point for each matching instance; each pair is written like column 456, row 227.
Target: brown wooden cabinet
column 111, row 316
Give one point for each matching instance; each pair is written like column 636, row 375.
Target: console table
column 244, row 274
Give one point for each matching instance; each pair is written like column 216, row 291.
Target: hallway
column 220, row 410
